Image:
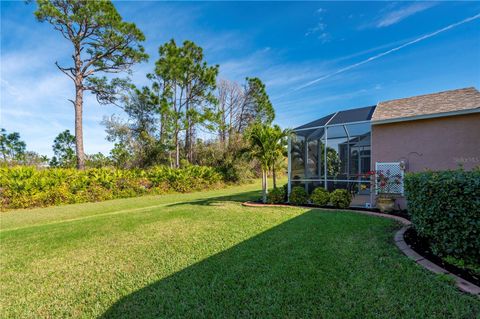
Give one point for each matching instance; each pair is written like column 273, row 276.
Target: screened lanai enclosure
column 333, row 152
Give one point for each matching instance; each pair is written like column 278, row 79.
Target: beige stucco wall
column 434, row 144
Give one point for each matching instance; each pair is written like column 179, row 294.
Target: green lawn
column 204, row 255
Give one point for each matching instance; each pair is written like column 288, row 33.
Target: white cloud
column 266, row 65
column 320, row 29
column 382, row 54
column 395, row 16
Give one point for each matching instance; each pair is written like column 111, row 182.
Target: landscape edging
column 463, row 284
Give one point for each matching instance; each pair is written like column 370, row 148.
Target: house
column 436, row 131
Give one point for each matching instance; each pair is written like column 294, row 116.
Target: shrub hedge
column 445, row 210
column 22, row 187
column 276, row 196
column 340, row 198
column 298, row 196
column 320, row 196
column 285, row 192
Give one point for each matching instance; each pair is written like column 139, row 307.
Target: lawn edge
column 462, row 284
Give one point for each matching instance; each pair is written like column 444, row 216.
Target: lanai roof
column 342, row 117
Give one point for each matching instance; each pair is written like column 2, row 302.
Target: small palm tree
column 280, row 142
column 266, row 145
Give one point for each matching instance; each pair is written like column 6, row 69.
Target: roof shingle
column 436, row 103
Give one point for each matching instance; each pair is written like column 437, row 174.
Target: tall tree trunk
column 191, row 141
column 223, row 128
column 239, row 130
column 230, row 126
column 187, row 133
column 177, row 150
column 274, row 175
column 79, row 127
column 265, row 193
column 264, row 187
column 189, row 129
column 162, row 129
column 163, row 138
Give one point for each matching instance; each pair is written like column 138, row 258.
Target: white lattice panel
column 389, row 178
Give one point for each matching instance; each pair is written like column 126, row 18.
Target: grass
column 204, row 255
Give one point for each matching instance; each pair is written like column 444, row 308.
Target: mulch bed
column 399, row 213
column 422, row 247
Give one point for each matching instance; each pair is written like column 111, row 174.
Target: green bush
column 285, row 192
column 320, row 196
column 276, row 196
column 445, row 210
column 340, row 198
column 298, row 196
column 237, row 171
column 22, row 187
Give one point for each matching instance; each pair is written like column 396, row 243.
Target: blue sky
column 315, row 57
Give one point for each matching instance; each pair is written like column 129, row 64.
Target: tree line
column 165, row 117
column 184, row 115
column 182, row 107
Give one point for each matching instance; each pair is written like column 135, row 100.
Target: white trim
column 388, row 163
column 426, row 116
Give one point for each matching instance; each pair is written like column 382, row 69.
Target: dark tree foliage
column 257, row 107
column 137, row 139
column 185, row 85
column 64, row 150
column 12, row 148
column 98, row 160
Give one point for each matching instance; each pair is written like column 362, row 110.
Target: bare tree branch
column 66, row 71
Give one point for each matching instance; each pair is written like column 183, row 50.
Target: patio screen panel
column 342, row 143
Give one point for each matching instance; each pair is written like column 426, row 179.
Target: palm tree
column 266, row 145
column 280, row 142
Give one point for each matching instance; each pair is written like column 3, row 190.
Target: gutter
column 426, row 116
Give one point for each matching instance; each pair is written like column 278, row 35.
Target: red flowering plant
column 383, row 182
column 386, row 183
column 366, row 178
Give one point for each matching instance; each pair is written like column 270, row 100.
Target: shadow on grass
column 244, row 280
column 313, row 265
column 238, row 197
